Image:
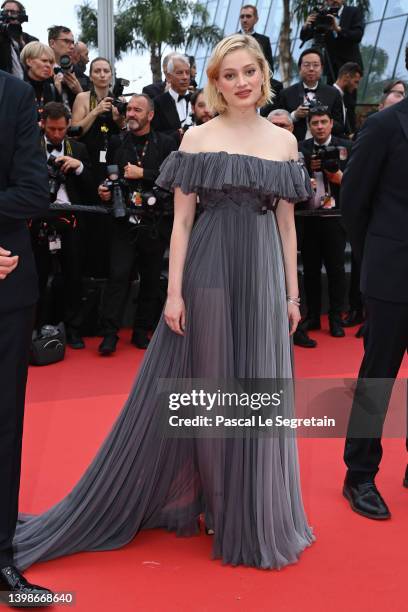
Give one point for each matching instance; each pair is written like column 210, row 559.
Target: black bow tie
column 307, row 90
column 52, row 147
column 318, row 147
column 186, row 97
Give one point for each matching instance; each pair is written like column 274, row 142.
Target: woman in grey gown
column 232, row 305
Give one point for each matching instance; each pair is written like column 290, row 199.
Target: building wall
column 383, row 45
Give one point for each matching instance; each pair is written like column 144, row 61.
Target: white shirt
column 183, row 108
column 310, row 95
column 319, row 176
column 62, row 195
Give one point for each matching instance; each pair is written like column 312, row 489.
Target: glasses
column 68, row 41
column 311, row 65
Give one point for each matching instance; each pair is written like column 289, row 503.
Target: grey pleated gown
column 236, row 326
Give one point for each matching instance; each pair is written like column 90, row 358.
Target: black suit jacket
column 5, row 50
column 345, row 46
column 166, row 118
column 23, row 188
column 154, row 89
column 374, row 201
column 306, row 147
column 292, row 96
column 265, row 44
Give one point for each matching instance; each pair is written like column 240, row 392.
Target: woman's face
column 240, row 79
column 101, row 74
column 40, row 68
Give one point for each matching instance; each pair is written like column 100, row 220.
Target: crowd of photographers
column 105, row 150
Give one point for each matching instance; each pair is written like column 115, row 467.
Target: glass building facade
column 383, row 45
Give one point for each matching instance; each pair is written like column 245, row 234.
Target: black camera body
column 323, row 23
column 330, row 157
column 6, row 25
column 56, row 177
column 65, row 65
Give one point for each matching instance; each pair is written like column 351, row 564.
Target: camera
column 65, row 65
column 323, row 23
column 120, row 105
column 311, row 104
column 330, row 157
column 6, row 21
column 139, row 201
column 55, row 177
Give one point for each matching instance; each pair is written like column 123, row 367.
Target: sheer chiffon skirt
column 236, row 327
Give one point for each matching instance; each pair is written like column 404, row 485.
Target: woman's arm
column 82, row 116
column 184, row 213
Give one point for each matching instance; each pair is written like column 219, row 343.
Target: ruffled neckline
column 220, row 170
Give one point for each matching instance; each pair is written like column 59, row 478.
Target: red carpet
column 355, row 564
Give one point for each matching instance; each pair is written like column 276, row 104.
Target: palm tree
column 150, row 25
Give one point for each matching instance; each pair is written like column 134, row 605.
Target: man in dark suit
column 374, row 204
column 60, row 231
column 301, row 96
column 23, row 194
column 347, row 83
column 139, row 155
column 248, row 18
column 158, row 87
column 13, row 39
column 172, row 110
column 342, row 39
column 324, row 238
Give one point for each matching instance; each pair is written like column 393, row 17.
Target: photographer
column 61, row 40
column 12, row 37
column 38, row 61
column 69, row 179
column 339, row 29
column 309, row 92
column 324, row 238
column 138, row 155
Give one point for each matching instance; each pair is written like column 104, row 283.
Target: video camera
column 323, row 23
column 126, row 201
column 6, row 21
column 330, row 157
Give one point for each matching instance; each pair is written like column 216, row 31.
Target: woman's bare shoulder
column 282, row 141
column 194, row 140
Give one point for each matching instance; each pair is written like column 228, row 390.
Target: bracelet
column 293, row 300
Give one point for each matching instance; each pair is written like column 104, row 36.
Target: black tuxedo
column 343, row 47
column 374, row 204
column 23, row 194
column 265, row 45
column 154, row 89
column 323, row 241
column 166, row 118
column 72, row 253
column 291, row 97
column 5, row 49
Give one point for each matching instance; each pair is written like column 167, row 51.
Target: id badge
column 102, row 157
column 54, row 243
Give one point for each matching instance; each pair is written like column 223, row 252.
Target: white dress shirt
column 183, row 108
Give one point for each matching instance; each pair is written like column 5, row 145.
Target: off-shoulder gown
column 236, row 327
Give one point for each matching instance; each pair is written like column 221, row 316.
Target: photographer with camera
column 38, row 61
column 309, row 92
column 69, row 179
column 61, row 40
column 324, row 238
column 138, row 155
column 339, row 29
column 12, row 37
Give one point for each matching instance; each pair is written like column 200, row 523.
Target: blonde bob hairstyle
column 34, row 50
column 235, row 42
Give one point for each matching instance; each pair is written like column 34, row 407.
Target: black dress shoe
column 335, row 327
column 361, row 330
column 74, row 340
column 140, row 338
column 365, row 499
column 300, row 338
column 405, row 481
column 108, row 344
column 353, row 317
column 310, row 323
column 13, row 584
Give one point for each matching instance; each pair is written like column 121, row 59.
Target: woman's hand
column 175, row 314
column 294, row 317
column 104, row 106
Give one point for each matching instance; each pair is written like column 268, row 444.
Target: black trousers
column 355, row 298
column 69, row 258
column 15, row 337
column 323, row 242
column 385, row 343
column 130, row 247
